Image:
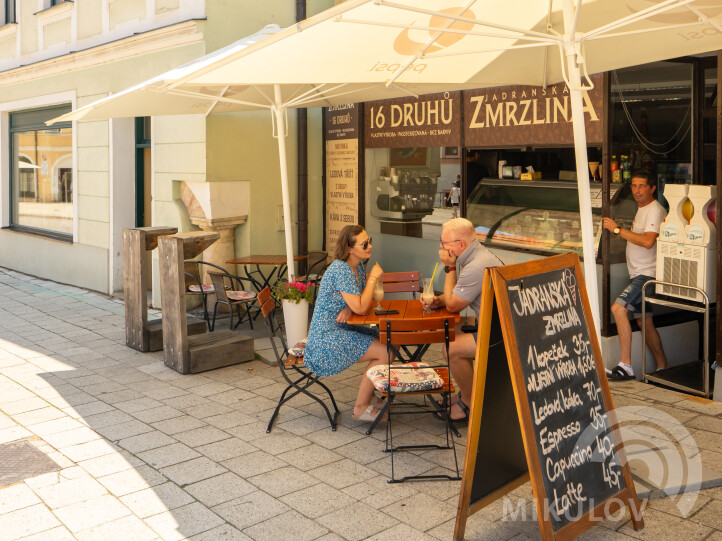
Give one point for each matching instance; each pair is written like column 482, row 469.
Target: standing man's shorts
column 631, row 297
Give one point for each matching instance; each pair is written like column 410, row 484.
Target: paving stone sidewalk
column 142, row 452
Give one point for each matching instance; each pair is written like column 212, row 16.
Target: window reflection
column 43, row 179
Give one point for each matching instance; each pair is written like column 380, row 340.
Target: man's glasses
column 365, row 244
column 445, row 242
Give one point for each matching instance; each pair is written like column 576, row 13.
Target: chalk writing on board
column 579, row 462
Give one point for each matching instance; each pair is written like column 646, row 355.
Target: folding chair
column 298, row 377
column 402, row 282
column 233, row 297
column 400, row 332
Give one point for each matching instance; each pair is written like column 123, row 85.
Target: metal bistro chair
column 317, row 264
column 400, row 332
column 194, row 285
column 232, row 297
column 298, row 377
column 403, row 282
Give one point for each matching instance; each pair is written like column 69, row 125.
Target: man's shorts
column 631, row 297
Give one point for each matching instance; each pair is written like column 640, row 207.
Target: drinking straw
column 434, row 274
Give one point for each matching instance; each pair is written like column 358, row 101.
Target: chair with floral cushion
column 194, row 285
column 290, row 362
column 228, row 292
column 415, row 378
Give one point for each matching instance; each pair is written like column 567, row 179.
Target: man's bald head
column 461, row 229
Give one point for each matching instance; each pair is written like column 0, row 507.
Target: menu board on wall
column 431, row 120
column 529, row 115
column 342, row 170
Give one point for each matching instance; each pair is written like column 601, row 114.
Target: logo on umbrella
column 404, row 45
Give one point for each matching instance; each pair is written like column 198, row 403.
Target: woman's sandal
column 464, row 408
column 368, row 415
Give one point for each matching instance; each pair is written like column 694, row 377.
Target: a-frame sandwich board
column 561, row 432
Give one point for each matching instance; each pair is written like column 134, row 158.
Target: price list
column 579, row 463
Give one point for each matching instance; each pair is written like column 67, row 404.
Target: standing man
column 642, row 265
column 462, row 288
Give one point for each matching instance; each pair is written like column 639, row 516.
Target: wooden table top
column 263, row 260
column 408, row 309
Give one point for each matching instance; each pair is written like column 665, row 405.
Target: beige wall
column 92, row 188
column 184, row 148
column 76, row 264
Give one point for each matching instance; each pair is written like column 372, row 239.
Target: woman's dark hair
column 346, row 240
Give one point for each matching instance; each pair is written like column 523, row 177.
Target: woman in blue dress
column 333, row 345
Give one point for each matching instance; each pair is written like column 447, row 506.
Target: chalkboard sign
column 562, row 401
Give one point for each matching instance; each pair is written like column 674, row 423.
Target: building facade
column 67, row 191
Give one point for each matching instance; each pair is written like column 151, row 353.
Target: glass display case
column 543, row 216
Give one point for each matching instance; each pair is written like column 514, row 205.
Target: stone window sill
column 57, row 12
column 9, row 29
column 50, row 235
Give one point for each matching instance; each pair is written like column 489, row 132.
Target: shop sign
column 529, row 115
column 342, row 167
column 342, row 122
column 431, row 120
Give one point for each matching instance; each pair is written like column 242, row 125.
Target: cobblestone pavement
column 142, row 452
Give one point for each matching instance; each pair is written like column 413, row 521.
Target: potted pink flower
column 293, row 291
column 295, row 298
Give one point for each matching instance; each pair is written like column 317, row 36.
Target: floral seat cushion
column 241, row 295
column 207, row 288
column 403, row 379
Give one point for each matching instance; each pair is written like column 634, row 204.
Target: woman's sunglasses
column 365, row 244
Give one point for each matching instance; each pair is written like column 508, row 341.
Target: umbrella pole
column 280, row 111
column 580, row 151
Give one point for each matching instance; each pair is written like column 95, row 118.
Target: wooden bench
column 197, row 353
column 140, row 333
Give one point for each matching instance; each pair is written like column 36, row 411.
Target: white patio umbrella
column 364, row 50
column 169, row 94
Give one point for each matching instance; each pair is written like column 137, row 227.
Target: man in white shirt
column 642, row 265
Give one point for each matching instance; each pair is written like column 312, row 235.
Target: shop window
column 7, row 11
column 652, row 119
column 41, row 180
column 407, row 188
column 709, row 127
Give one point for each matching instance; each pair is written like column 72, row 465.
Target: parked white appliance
column 686, row 252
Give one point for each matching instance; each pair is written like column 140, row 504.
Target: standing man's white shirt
column 640, row 260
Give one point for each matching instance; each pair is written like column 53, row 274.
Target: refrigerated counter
column 542, row 217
